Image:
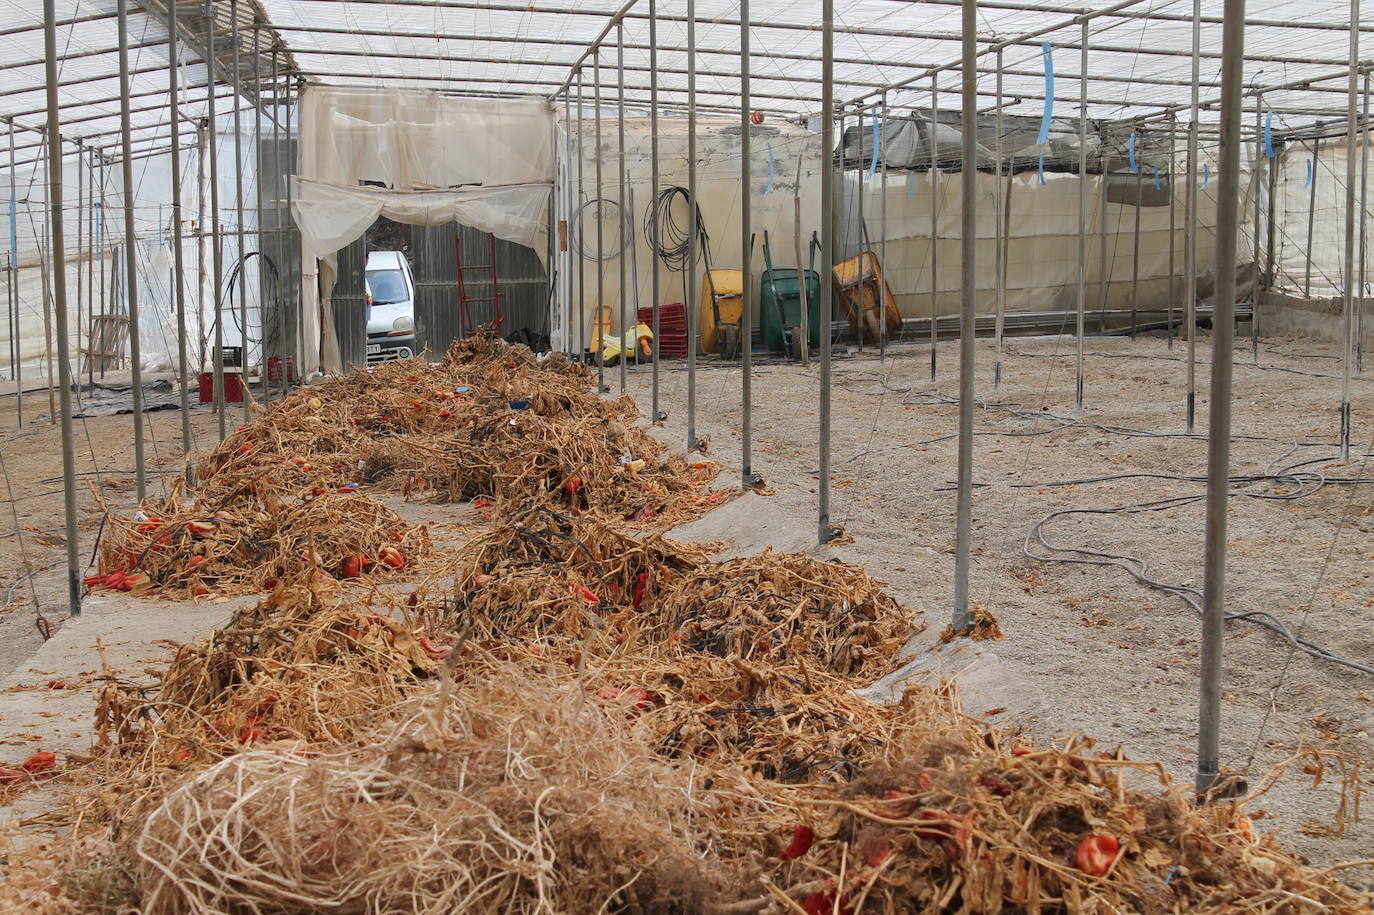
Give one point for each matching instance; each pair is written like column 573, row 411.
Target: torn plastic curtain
column 331, row 217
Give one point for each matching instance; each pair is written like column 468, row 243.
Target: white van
column 390, row 307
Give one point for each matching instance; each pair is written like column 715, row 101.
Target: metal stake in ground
column 1364, row 224
column 59, row 279
column 998, row 229
column 626, row 224
column 1190, row 222
column 746, row 320
column 656, row 412
column 12, row 287
column 968, row 239
column 1082, row 215
column 217, row 249
column 600, row 316
column 1348, row 305
column 1219, row 410
column 693, row 309
column 178, row 265
column 238, row 197
column 826, row 532
column 934, row 214
column 130, row 251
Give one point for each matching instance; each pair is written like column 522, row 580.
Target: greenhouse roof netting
column 1139, row 58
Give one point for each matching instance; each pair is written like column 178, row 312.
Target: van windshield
column 387, row 286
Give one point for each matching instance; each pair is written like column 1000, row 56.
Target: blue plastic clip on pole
column 1206, row 174
column 1130, row 151
column 1269, row 135
column 877, row 146
column 1158, row 186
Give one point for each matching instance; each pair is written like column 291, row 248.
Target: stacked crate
column 672, row 329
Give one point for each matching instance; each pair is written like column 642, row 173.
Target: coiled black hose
column 673, row 236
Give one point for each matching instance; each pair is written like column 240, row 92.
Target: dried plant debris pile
column 202, row 546
column 491, row 423
column 442, row 754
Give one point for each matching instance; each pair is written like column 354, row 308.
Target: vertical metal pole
column 96, row 263
column 1364, row 221
column 281, row 221
column 130, row 251
column 1102, row 268
column 257, row 187
column 568, row 208
column 746, row 321
column 217, row 249
column 1135, row 255
column 967, row 329
column 882, row 237
column 1173, row 266
column 581, row 246
column 1219, row 410
column 825, row 532
column 693, row 307
column 12, row 276
column 1352, row 99
column 293, row 238
column 59, row 279
column 626, row 221
column 999, row 229
column 1190, row 220
column 178, row 265
column 80, row 256
column 656, row 411
column 934, row 216
column 1082, row 215
column 104, row 244
column 238, row 202
column 53, row 413
column 201, row 155
column 599, row 344
column 1311, row 214
column 861, row 174
column 1255, row 178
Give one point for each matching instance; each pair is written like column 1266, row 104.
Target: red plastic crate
column 672, row 346
column 233, row 387
column 671, row 318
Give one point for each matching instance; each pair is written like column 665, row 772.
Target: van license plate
column 373, row 349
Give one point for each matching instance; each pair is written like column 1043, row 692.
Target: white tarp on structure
column 414, row 157
column 1312, row 182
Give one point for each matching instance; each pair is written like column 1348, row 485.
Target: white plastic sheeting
column 1303, row 171
column 414, row 157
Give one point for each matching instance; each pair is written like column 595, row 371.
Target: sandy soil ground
column 1088, row 649
column 32, row 471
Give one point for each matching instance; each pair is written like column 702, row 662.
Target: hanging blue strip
column 1307, row 182
column 1130, row 150
column 772, row 171
column 1048, row 114
column 877, row 146
column 1042, row 167
column 1206, row 174
column 1158, row 186
column 1269, row 135
column 910, row 183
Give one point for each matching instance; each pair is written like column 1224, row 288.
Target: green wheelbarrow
column 783, row 302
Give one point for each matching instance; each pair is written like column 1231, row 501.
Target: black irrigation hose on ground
column 1307, row 483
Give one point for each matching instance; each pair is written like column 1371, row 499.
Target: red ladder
column 466, row 325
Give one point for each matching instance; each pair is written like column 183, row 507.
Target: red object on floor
column 274, row 373
column 233, row 387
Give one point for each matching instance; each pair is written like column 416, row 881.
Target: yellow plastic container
column 728, row 287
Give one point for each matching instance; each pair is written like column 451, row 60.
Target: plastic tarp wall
column 1315, row 184
column 774, row 155
column 97, row 247
column 414, row 157
column 1042, row 228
